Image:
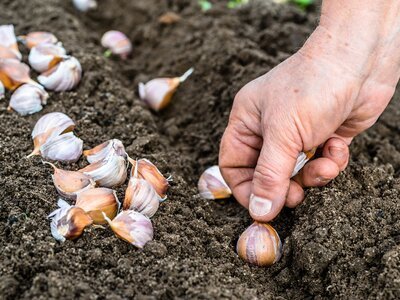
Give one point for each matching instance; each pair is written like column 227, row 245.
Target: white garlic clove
column 8, row 53
column 13, row 73
column 68, row 222
column 259, row 245
column 28, row 99
column 84, row 5
column 302, row 159
column 46, row 56
column 132, row 227
column 65, row 148
column 103, row 150
column 157, row 93
column 62, row 77
column 2, row 90
column 117, row 43
column 9, row 41
column 36, row 38
column 212, row 185
column 109, row 172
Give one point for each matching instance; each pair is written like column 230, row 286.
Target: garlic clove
column 28, row 99
column 2, row 90
column 62, row 77
column 259, row 245
column 101, row 151
column 13, row 73
column 97, row 201
column 65, row 148
column 117, row 43
column 212, row 185
column 8, row 40
column 132, row 227
column 84, row 5
column 109, row 172
column 70, row 183
column 36, row 38
column 8, row 53
column 141, row 197
column 68, row 222
column 157, row 93
column 145, row 169
column 302, row 159
column 45, row 56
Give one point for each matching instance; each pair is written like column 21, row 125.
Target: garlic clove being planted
column 84, row 5
column 65, row 148
column 157, row 93
column 62, row 77
column 28, row 99
column 302, row 159
column 45, row 56
column 9, row 41
column 212, row 185
column 103, row 150
column 145, row 169
column 117, row 43
column 259, row 245
column 13, row 73
column 70, row 183
column 68, row 222
column 36, row 38
column 97, row 201
column 2, row 90
column 132, row 227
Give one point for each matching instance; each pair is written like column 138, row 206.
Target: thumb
column 271, row 179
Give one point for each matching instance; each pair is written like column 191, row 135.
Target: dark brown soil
column 343, row 242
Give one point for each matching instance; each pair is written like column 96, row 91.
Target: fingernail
column 336, row 152
column 323, row 180
column 259, row 206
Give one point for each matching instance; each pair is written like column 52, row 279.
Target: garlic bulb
column 109, row 172
column 13, row 73
column 85, row 5
column 28, row 99
column 63, row 77
column 36, row 38
column 212, row 185
column 45, row 56
column 302, row 159
column 2, row 90
column 117, row 43
column 132, row 227
column 148, row 171
column 259, row 245
column 65, row 147
column 49, row 126
column 157, row 93
column 97, row 201
column 103, row 150
column 68, row 222
column 70, row 183
column 9, row 41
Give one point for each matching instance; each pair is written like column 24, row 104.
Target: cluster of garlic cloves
column 117, row 43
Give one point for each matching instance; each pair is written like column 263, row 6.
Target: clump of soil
column 342, row 242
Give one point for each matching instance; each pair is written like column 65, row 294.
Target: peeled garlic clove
column 8, row 40
column 132, row 227
column 48, row 126
column 97, row 201
column 84, row 5
column 63, row 77
column 68, row 222
column 13, row 73
column 157, row 93
column 28, row 99
column 302, row 159
column 36, row 38
column 117, row 42
column 45, row 56
column 212, row 185
column 259, row 245
column 65, row 148
column 103, row 150
column 2, row 90
column 109, row 172
column 145, row 169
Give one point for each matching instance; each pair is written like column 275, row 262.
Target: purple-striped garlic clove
column 85, row 5
column 103, row 150
column 9, row 41
column 36, row 38
column 46, row 56
column 14, row 73
column 117, row 43
column 65, row 148
column 212, row 185
column 28, row 99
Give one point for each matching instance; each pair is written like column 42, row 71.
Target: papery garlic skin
column 45, row 56
column 259, row 245
column 212, row 185
column 63, row 77
column 105, row 149
column 65, row 148
column 117, row 42
column 36, row 38
column 302, row 159
column 97, row 201
column 13, row 73
column 132, row 227
column 9, row 41
column 28, row 99
column 2, row 90
column 84, row 5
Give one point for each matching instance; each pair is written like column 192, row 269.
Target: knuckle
column 266, row 177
